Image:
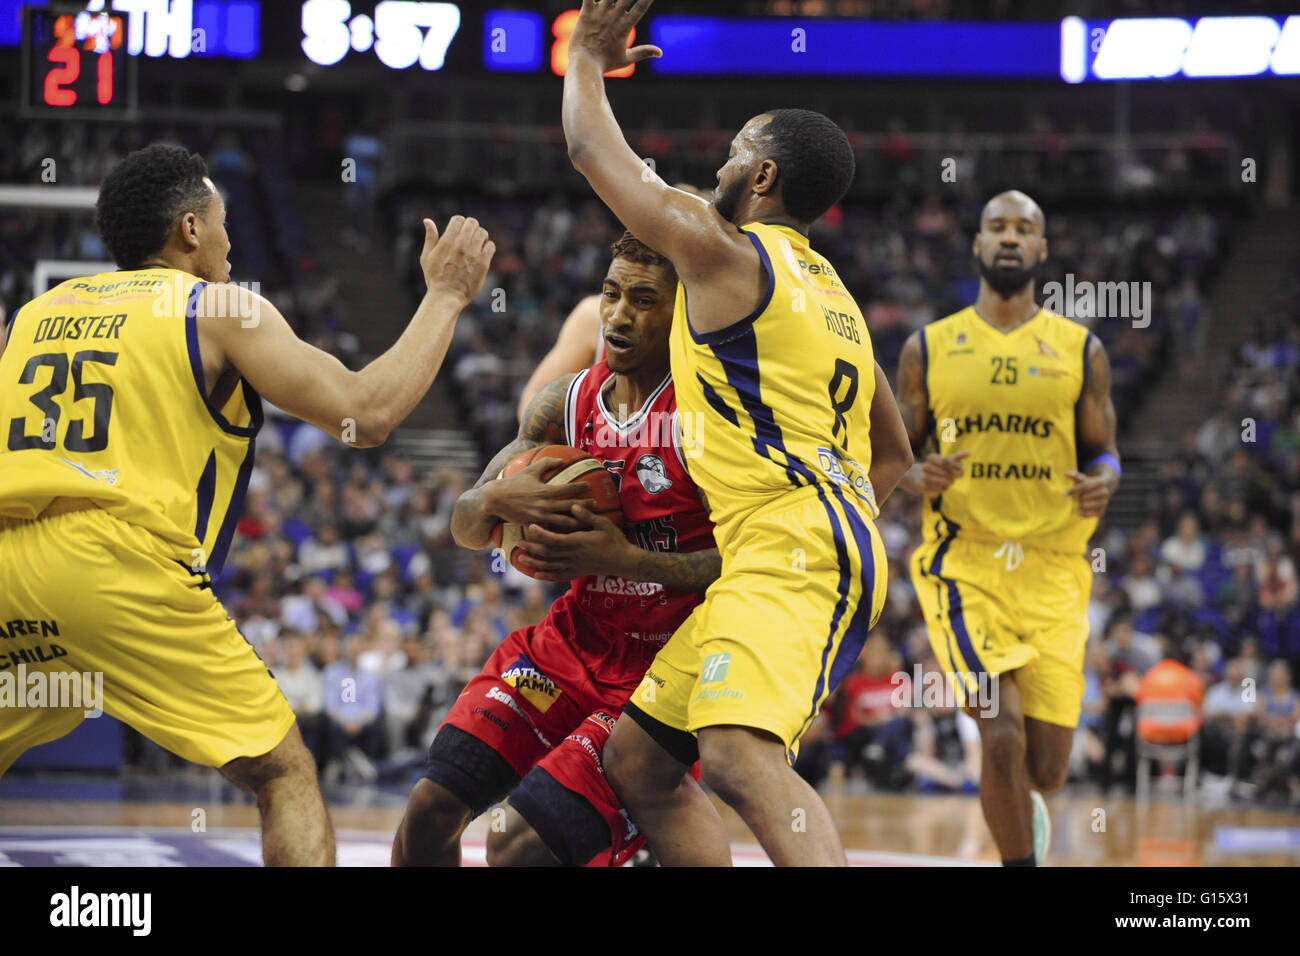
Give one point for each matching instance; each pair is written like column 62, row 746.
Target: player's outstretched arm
column 891, row 449
column 245, row 332
column 573, row 350
column 676, row 224
column 1095, row 438
column 523, row 498
column 931, row 473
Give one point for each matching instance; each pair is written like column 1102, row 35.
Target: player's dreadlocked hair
column 628, row 246
column 144, row 195
column 813, row 158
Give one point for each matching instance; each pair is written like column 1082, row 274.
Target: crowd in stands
column 268, row 239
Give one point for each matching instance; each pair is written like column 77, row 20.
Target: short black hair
column 628, row 246
column 814, row 159
column 144, row 195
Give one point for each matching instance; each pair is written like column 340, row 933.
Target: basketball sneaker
column 1042, row 827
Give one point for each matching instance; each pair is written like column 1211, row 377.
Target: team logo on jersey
column 1045, row 349
column 654, row 477
column 605, row 718
column 714, row 671
column 715, row 668
column 847, row 473
column 535, row 687
column 961, row 338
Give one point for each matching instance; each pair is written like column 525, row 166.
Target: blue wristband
column 1106, row 458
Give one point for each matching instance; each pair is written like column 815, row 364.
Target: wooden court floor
column 892, row 829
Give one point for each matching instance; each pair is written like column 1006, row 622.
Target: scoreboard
column 77, row 63
column 82, row 56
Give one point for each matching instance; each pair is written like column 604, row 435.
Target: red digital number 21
column 55, row 94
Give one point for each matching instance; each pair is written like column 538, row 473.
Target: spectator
column 303, row 612
column 1275, row 574
column 303, row 687
column 414, row 696
column 873, row 730
column 385, row 656
column 1124, row 665
column 1228, row 710
column 946, row 750
column 324, row 551
column 1273, row 741
column 354, row 735
column 1184, row 552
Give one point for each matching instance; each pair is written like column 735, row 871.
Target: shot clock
column 75, row 63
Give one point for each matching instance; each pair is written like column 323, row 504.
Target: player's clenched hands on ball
column 456, row 263
column 940, row 471
column 600, row 548
column 524, row 498
column 1092, row 492
column 602, row 32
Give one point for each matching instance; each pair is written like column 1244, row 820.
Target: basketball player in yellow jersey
column 128, row 406
column 1014, row 403
column 795, row 441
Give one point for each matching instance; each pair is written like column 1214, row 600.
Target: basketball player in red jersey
column 533, row 724
column 581, row 341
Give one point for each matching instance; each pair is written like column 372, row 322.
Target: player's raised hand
column 524, row 498
column 1092, row 492
column 456, row 263
column 600, row 547
column 603, row 30
column 940, row 471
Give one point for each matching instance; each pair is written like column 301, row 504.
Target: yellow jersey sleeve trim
column 251, row 398
column 740, row 326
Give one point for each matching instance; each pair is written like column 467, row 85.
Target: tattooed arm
column 523, row 498
column 1095, row 438
column 600, row 547
column 687, row 572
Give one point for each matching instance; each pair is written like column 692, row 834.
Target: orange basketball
column 574, row 465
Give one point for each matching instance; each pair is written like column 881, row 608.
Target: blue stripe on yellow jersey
column 781, row 399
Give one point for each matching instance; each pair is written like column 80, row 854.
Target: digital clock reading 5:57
column 77, row 61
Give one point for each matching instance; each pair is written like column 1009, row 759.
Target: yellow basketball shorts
column 991, row 609
column 87, row 594
column 803, row 580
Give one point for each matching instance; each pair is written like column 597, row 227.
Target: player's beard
column 728, row 201
column 1004, row 281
